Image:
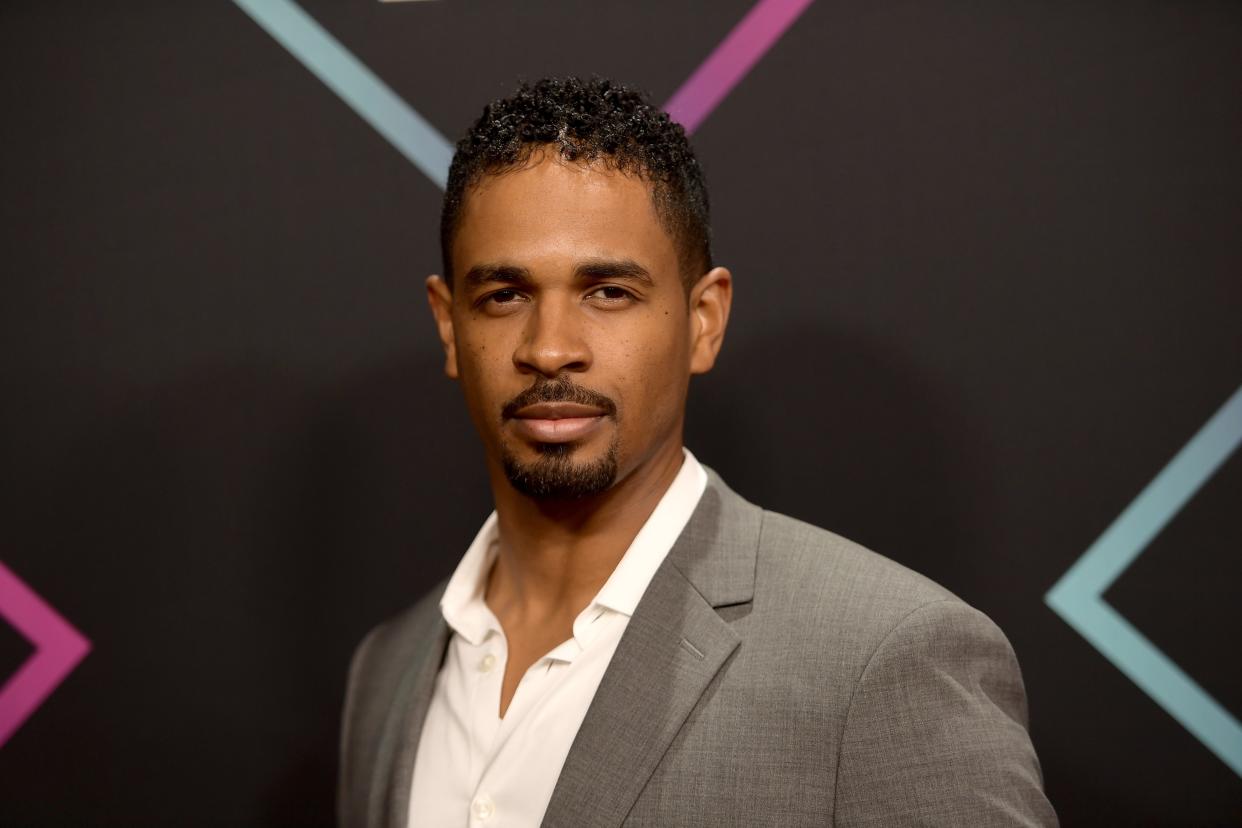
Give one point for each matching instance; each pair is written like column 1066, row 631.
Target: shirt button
column 483, row 807
column 487, row 663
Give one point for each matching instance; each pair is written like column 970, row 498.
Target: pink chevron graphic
column 58, row 649
column 729, row 62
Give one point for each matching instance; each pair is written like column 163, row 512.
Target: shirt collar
column 625, row 587
column 467, row 613
column 462, row 604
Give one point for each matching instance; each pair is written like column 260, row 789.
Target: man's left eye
column 611, row 293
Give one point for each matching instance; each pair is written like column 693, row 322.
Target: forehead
column 555, row 209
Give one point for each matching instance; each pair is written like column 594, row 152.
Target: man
column 627, row 641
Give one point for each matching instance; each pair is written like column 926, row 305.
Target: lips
column 557, row 411
column 557, row 422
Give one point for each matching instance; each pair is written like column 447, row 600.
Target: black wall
column 989, row 281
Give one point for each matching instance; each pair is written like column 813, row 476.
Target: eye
column 500, row 300
column 611, row 294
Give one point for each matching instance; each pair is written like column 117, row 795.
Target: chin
column 561, row 471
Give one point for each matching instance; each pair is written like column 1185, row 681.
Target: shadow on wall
column 833, row 428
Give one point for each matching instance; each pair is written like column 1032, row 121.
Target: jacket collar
column 673, row 646
column 716, row 551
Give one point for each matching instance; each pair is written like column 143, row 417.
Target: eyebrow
column 482, row 274
column 612, row 269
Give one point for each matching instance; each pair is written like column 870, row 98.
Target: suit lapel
column 390, row 793
column 673, row 647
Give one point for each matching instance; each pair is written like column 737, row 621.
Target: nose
column 553, row 340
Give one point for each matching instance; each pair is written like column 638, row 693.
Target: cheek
column 654, row 375
column 480, row 366
column 480, row 350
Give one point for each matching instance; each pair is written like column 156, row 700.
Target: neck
column 555, row 556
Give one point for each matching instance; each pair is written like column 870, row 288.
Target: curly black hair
column 588, row 121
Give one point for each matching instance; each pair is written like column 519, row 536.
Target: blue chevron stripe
column 1078, row 596
column 321, row 53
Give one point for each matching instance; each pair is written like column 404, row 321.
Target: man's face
column 569, row 327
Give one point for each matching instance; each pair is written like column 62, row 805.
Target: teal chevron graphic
column 1078, row 596
column 321, row 53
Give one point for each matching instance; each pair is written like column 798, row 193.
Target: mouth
column 557, row 422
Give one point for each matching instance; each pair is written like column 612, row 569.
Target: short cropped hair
column 588, row 121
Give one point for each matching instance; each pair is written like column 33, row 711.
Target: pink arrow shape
column 729, row 62
column 58, row 649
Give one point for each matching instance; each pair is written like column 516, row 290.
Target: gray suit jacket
column 773, row 674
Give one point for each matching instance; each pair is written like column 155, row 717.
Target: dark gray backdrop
column 987, row 260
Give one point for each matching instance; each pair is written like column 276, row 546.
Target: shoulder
column 871, row 617
column 392, row 642
column 795, row 549
column 811, row 588
column 825, row 574
column 382, row 658
column 933, row 703
column 380, row 662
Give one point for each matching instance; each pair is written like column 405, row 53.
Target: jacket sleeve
column 936, row 732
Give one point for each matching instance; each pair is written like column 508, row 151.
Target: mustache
column 561, row 389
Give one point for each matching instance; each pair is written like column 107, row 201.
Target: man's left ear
column 710, row 299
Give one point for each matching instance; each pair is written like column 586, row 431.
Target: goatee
column 556, row 475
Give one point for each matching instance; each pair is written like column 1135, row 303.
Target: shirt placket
column 488, row 667
column 501, row 776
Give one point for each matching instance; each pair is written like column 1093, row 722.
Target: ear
column 710, row 300
column 440, row 298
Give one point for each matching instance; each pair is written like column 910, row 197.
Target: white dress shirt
column 479, row 770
